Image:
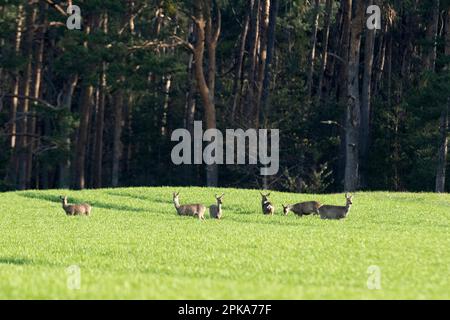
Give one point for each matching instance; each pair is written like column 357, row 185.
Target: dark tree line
column 357, row 108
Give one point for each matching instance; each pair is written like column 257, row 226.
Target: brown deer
column 82, row 209
column 215, row 211
column 336, row 212
column 302, row 209
column 267, row 207
column 188, row 209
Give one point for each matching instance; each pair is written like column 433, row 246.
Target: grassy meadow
column 135, row 246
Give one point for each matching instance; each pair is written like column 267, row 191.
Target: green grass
column 134, row 246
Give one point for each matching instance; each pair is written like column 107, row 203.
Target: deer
column 336, row 212
column 215, row 211
column 267, row 207
column 82, row 209
column 188, row 209
column 303, row 208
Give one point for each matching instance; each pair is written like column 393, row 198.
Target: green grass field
column 135, row 246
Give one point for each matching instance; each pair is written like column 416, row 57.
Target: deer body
column 304, row 208
column 336, row 212
column 267, row 207
column 215, row 211
column 189, row 209
column 82, row 209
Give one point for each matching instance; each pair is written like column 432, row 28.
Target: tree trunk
column 346, row 8
column 117, row 140
column 443, row 148
column 206, row 89
column 264, row 26
column 83, row 132
column 431, row 36
column 24, row 104
column 366, row 100
column 353, row 117
column 190, row 107
column 253, row 61
column 99, row 127
column 67, row 96
column 237, row 81
column 342, row 76
column 313, row 43
column 38, row 60
column 270, row 52
column 325, row 44
column 11, row 174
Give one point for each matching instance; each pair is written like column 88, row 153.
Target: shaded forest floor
column 135, row 246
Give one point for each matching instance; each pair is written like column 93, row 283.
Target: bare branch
column 57, row 7
column 37, row 100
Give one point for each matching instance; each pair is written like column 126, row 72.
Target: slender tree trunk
column 326, row 40
column 237, row 81
column 381, row 61
column 167, row 83
column 67, row 97
column 342, row 76
column 353, row 117
column 117, row 140
column 12, row 171
column 264, row 26
column 443, row 148
column 366, row 100
column 16, row 81
column 313, row 42
column 346, row 8
column 190, row 107
column 253, row 60
column 270, row 53
column 24, row 104
column 86, row 100
column 99, row 127
column 431, row 36
column 204, row 27
column 83, row 133
column 38, row 60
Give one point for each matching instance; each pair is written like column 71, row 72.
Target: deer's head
column 219, row 198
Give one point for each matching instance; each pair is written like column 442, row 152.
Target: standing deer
column 336, row 212
column 188, row 209
column 75, row 209
column 302, row 209
column 267, row 207
column 215, row 211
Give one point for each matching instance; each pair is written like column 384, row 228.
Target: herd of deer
column 215, row 210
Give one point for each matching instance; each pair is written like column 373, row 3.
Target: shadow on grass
column 15, row 261
column 95, row 204
column 167, row 200
column 270, row 221
column 135, row 196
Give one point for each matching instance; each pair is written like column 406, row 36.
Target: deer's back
column 306, row 208
column 77, row 209
column 332, row 212
column 192, row 209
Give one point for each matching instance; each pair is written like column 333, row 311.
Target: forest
column 357, row 108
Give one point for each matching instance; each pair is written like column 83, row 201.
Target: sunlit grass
column 135, row 246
